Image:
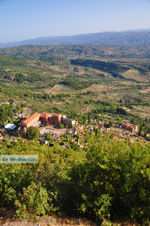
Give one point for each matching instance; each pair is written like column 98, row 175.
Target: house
column 130, row 127
column 46, row 117
column 69, row 122
column 99, row 115
column 134, row 128
column 56, row 119
column 33, row 120
column 51, row 118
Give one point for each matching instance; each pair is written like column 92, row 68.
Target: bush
column 33, row 201
column 33, row 133
column 61, row 126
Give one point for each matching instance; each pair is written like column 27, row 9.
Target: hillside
column 82, row 51
column 96, row 167
column 58, row 84
column 135, row 37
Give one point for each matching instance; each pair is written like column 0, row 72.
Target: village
column 54, row 127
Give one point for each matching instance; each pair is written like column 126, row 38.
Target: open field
column 133, row 74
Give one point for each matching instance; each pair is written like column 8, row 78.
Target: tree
column 33, row 133
column 61, row 126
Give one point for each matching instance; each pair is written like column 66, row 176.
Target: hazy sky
column 25, row 19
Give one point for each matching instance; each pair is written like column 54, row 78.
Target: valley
column 85, row 111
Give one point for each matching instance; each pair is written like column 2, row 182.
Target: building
column 57, row 119
column 51, row 118
column 130, row 127
column 33, row 120
column 45, row 118
column 134, row 128
column 69, row 122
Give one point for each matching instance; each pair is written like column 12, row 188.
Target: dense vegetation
column 6, row 113
column 75, row 51
column 107, row 180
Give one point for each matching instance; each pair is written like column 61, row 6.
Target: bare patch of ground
column 142, row 111
column 133, row 74
column 47, row 221
column 53, row 131
column 98, row 88
column 8, row 218
column 145, row 91
column 58, row 88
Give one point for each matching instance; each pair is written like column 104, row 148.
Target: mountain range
column 133, row 37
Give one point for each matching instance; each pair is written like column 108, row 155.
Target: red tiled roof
column 127, row 124
column 30, row 118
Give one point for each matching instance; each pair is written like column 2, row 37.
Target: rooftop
column 10, row 126
column 30, row 118
column 45, row 115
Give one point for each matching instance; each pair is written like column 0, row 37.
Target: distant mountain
column 135, row 37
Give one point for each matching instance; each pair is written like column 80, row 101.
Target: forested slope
column 84, row 51
column 107, row 180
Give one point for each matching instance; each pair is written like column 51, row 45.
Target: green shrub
column 61, row 126
column 33, row 201
column 33, row 133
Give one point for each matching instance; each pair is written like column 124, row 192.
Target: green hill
column 82, row 51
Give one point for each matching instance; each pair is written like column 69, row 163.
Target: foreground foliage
column 106, row 180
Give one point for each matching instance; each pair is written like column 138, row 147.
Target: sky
column 27, row 19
